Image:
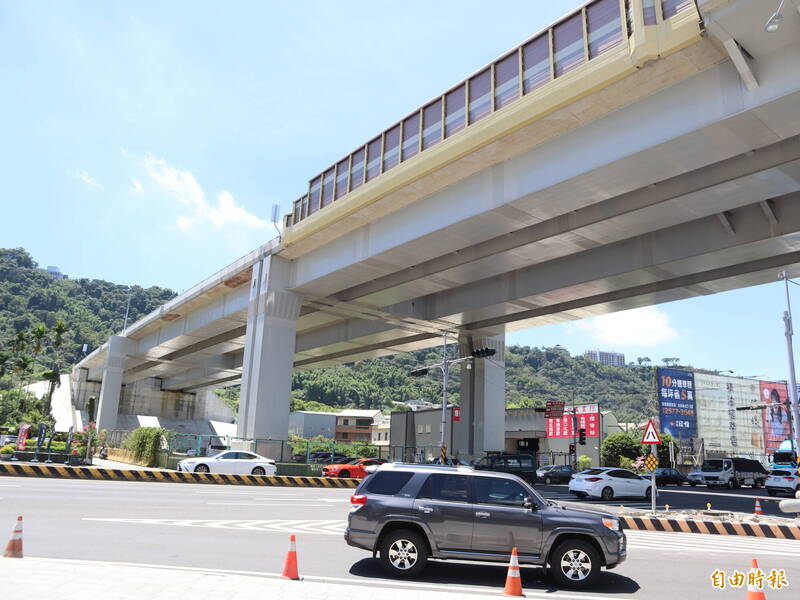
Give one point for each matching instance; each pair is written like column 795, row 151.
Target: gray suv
column 410, row 513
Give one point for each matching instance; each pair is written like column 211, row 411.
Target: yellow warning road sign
column 651, row 462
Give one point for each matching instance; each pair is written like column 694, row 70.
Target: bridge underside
column 688, row 192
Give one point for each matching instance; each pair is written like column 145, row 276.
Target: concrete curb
column 762, row 530
column 64, row 472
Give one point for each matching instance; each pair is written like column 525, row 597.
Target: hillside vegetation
column 93, row 309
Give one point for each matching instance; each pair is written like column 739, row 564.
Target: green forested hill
column 91, row 308
column 94, row 309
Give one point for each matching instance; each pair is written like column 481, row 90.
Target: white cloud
column 90, row 181
column 136, row 186
column 183, row 187
column 646, row 326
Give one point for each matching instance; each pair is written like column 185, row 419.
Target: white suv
column 783, row 480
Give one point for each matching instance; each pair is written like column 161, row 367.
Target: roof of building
column 314, row 412
column 358, row 413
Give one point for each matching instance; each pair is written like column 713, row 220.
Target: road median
column 163, row 476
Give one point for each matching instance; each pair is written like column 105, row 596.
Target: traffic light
column 582, row 436
column 483, row 352
column 419, row 372
column 572, row 448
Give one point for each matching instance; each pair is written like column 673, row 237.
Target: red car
column 355, row 468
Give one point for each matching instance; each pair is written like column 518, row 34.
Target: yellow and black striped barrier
column 101, row 474
column 763, row 530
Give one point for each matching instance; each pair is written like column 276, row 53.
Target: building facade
column 307, row 424
column 614, row 359
column 356, row 425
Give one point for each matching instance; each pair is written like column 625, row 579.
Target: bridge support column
column 111, row 388
column 268, row 352
column 483, row 405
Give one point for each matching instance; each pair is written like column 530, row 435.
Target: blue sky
column 146, row 142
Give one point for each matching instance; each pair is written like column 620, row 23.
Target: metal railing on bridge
column 575, row 40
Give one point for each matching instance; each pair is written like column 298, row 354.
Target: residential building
column 380, row 433
column 614, row 359
column 356, row 425
column 307, row 424
column 55, row 272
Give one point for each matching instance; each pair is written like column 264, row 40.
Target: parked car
column 544, row 469
column 521, row 465
column 410, row 514
column 733, row 472
column 355, row 468
column 230, row 462
column 328, row 457
column 558, row 474
column 667, row 476
column 783, row 481
column 609, row 483
column 695, row 478
column 450, row 462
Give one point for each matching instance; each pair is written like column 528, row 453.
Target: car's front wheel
column 403, row 553
column 202, row 469
column 259, row 471
column 574, row 563
column 345, row 474
column 607, row 494
column 648, row 493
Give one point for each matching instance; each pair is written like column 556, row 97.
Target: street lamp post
column 444, row 367
column 787, row 320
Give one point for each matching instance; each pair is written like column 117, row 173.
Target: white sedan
column 230, row 462
column 609, row 483
column 783, row 481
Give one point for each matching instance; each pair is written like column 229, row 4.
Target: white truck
column 733, row 472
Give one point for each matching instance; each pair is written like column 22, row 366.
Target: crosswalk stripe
column 668, row 541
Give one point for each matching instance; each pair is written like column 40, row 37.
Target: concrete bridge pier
column 482, row 426
column 269, row 351
column 111, row 388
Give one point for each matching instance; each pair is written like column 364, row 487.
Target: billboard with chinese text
column 587, row 416
column 725, row 430
column 775, row 417
column 676, row 405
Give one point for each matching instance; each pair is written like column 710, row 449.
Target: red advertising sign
column 456, row 414
column 22, row 436
column 776, row 416
column 587, row 416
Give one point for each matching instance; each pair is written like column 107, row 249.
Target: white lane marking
column 317, row 527
column 382, row 583
column 292, row 504
column 10, row 485
column 693, row 542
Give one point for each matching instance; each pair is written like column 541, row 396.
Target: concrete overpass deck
column 675, row 176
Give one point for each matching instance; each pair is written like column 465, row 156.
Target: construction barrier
column 763, row 530
column 63, row 472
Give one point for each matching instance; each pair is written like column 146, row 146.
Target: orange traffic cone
column 758, row 507
column 513, row 580
column 753, row 593
column 290, row 566
column 14, row 546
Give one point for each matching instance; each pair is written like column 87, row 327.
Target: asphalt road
column 247, row 529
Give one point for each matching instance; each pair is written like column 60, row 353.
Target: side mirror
column 528, row 503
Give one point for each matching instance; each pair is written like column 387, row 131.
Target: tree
column 644, row 360
column 5, row 359
column 618, row 445
column 58, row 329
column 53, row 379
column 90, row 404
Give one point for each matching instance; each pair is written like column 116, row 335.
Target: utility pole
column 795, row 417
column 127, row 310
column 445, row 376
column 444, row 366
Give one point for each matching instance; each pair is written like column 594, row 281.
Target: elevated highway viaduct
column 633, row 153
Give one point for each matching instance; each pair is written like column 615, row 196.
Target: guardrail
column 59, row 472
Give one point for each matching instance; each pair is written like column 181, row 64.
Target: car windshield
column 711, row 465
